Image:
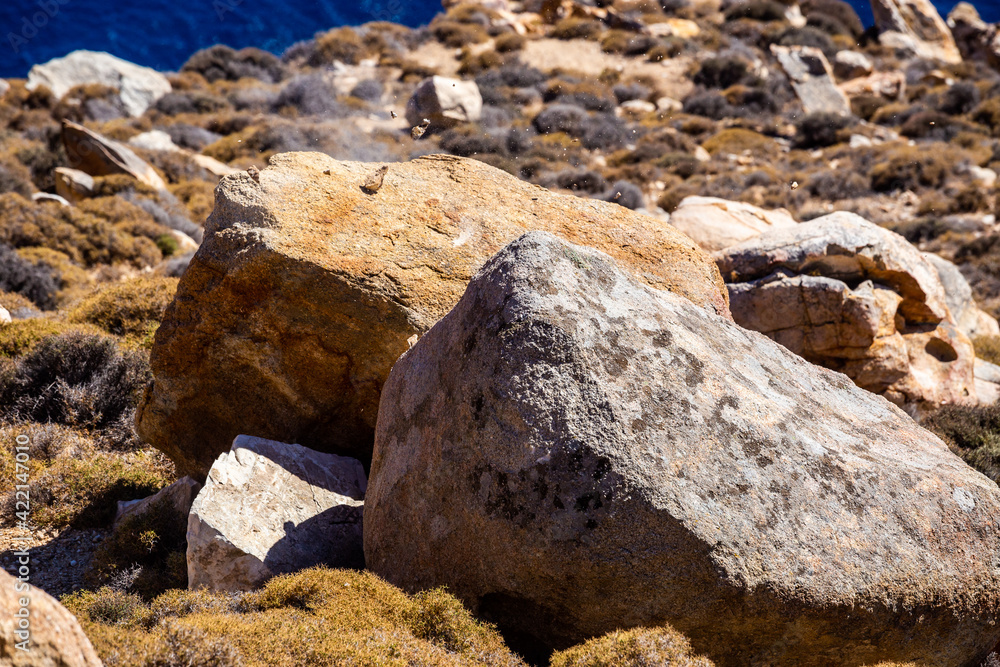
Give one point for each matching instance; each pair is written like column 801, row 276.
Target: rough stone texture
column 812, row 79
column 715, row 224
column 958, row 294
column 307, row 289
column 854, row 297
column 154, row 140
column 73, row 185
column 976, row 39
column 270, row 508
column 180, row 494
column 916, row 26
column 139, row 87
column 57, row 640
column 851, row 65
column 889, row 85
column 4, row 87
column 4, row 316
column 444, row 102
column 571, row 452
column 97, row 155
column 987, row 382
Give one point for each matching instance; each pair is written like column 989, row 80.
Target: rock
column 892, row 333
column 185, row 244
column 213, row 166
column 99, row 156
column 674, row 27
column 976, row 39
column 889, row 85
column 445, row 103
column 987, row 382
column 307, row 289
column 958, row 293
column 914, row 25
column 812, row 79
column 668, row 104
column 4, row 87
column 851, row 65
column 154, row 140
column 73, row 185
column 271, row 508
column 180, row 495
column 54, row 636
column 715, row 224
column 986, row 176
column 635, row 108
column 139, row 87
column 5, row 316
column 570, row 453
column 47, row 196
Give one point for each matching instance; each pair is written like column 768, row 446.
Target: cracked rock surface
column 572, row 452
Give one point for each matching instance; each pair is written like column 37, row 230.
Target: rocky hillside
column 560, row 332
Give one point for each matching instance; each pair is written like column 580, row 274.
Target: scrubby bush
column 456, row 34
column 625, row 194
column 222, row 63
column 809, row 36
column 758, row 10
column 988, row 114
column 971, row 432
column 909, row 168
column 577, row 28
column 604, row 132
column 961, row 97
column 190, row 101
column 73, row 379
column 738, row 140
column 370, row 90
column 632, row 91
column 751, row 102
column 627, row 43
column 931, row 125
column 579, row 180
column 639, row 647
column 473, row 63
column 15, row 177
column 317, row 616
column 987, row 348
column 149, row 546
column 469, row 141
column 834, row 16
column 509, row 42
column 312, row 95
column 32, row 281
column 191, row 136
column 721, row 72
column 560, row 118
column 821, row 129
column 339, row 44
column 837, row 185
column 709, row 104
column 134, row 307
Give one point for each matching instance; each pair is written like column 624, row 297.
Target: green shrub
column 134, row 307
column 640, row 647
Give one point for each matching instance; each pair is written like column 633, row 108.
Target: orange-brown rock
column 307, row 289
column 97, row 155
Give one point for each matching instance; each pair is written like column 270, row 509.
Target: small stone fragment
column 374, row 180
column 419, row 130
column 254, row 173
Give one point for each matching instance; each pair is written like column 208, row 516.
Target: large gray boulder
column 958, row 293
column 444, row 102
column 812, row 78
column 138, row 87
column 570, row 452
column 854, row 297
column 269, row 508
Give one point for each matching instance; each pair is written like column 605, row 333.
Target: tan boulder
column 444, row 103
column 854, row 297
column 73, row 185
column 889, row 85
column 916, row 26
column 97, row 155
column 307, row 288
column 54, row 636
column 715, row 223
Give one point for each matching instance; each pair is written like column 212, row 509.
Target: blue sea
column 164, row 33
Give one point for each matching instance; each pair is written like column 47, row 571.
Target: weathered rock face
column 976, row 39
column 851, row 296
column 916, row 26
column 958, row 294
column 987, row 382
column 851, row 65
column 307, row 289
column 139, row 87
column 812, row 78
column 444, row 102
column 56, row 638
column 180, row 495
column 888, row 85
column 270, row 508
column 571, row 452
column 72, row 184
column 97, row 155
column 715, row 224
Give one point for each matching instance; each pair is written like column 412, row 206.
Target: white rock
column 45, row 196
column 139, row 87
column 4, row 87
column 445, row 102
column 4, row 316
column 213, row 166
column 851, row 64
column 635, row 108
column 812, row 79
column 180, row 494
column 715, row 223
column 154, row 140
column 269, row 508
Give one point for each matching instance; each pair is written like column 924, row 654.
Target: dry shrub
column 509, row 42
column 456, row 34
column 737, row 140
column 314, row 617
column 987, row 348
column 904, row 167
column 577, row 28
column 197, row 196
column 639, row 647
column 20, row 336
column 971, row 432
column 341, row 44
column 134, row 307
